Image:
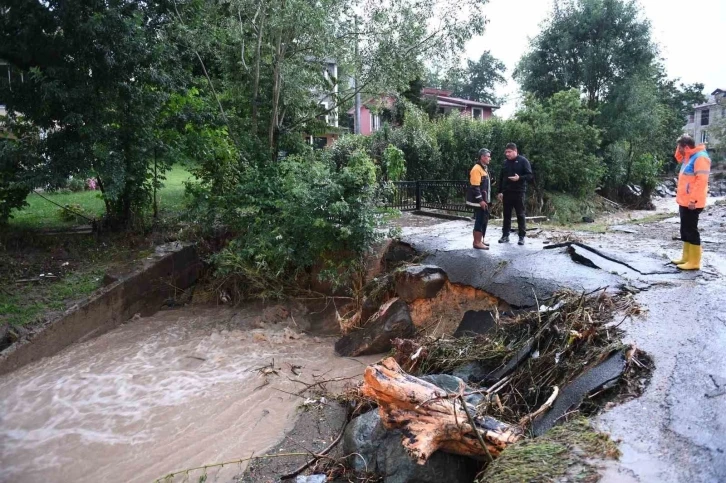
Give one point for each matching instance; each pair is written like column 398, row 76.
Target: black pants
column 689, row 225
column 481, row 220
column 513, row 200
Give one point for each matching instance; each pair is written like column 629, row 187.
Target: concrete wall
column 173, row 268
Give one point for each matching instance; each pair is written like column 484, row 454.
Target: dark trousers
column 481, row 220
column 689, row 225
column 513, row 200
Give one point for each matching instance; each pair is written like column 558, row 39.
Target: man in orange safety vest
column 691, row 198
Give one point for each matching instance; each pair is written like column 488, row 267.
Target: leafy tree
column 97, row 78
column 477, row 81
column 635, row 118
column 563, row 144
column 589, row 45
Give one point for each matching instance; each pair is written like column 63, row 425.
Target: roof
column 712, row 101
column 464, row 102
column 441, row 103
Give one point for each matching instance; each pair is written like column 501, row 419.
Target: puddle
column 159, row 394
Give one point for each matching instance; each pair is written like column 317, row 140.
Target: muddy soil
column 164, row 393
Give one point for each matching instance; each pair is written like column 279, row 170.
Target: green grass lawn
column 41, row 213
column 20, row 309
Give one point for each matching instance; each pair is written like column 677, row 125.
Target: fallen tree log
column 430, row 418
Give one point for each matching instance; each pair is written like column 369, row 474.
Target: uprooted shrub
column 292, row 215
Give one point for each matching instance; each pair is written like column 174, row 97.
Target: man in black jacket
column 512, row 187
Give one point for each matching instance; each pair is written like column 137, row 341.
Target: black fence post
column 418, row 196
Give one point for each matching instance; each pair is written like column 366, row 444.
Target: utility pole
column 356, row 115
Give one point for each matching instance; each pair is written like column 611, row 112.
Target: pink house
column 370, row 122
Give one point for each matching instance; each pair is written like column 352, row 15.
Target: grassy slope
column 42, row 214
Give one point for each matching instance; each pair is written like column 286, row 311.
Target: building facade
column 706, row 120
column 370, row 121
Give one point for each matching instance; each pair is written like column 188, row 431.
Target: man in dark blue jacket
column 512, row 188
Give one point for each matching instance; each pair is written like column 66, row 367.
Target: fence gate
column 429, row 195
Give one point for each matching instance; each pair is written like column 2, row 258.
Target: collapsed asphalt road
column 677, row 430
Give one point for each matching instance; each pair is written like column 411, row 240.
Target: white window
column 704, row 137
column 477, row 113
column 375, row 122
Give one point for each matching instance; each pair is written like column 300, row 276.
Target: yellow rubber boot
column 684, row 257
column 694, row 258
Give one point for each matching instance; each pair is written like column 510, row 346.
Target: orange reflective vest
column 693, row 178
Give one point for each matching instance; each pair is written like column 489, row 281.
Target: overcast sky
column 691, row 36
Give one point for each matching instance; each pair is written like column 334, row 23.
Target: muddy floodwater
column 159, row 394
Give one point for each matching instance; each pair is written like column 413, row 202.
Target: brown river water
column 159, row 394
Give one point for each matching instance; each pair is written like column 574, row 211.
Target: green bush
column 76, row 185
column 295, row 214
column 394, row 163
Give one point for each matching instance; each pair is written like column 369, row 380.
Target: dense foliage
column 296, row 214
column 96, row 80
column 554, row 134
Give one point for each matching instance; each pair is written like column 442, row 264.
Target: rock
column 451, row 384
column 471, row 372
column 420, row 282
column 475, row 322
column 377, row 450
column 399, row 252
column 393, row 320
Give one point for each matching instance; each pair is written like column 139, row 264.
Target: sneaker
column 521, row 241
column 504, row 239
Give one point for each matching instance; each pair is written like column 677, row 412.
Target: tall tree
column 477, row 81
column 97, row 77
column 482, row 78
column 589, row 45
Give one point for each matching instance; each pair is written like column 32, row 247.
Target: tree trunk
column 256, row 82
column 156, row 182
column 430, row 418
column 276, row 86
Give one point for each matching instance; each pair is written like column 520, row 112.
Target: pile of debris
column 449, row 405
column 667, row 189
